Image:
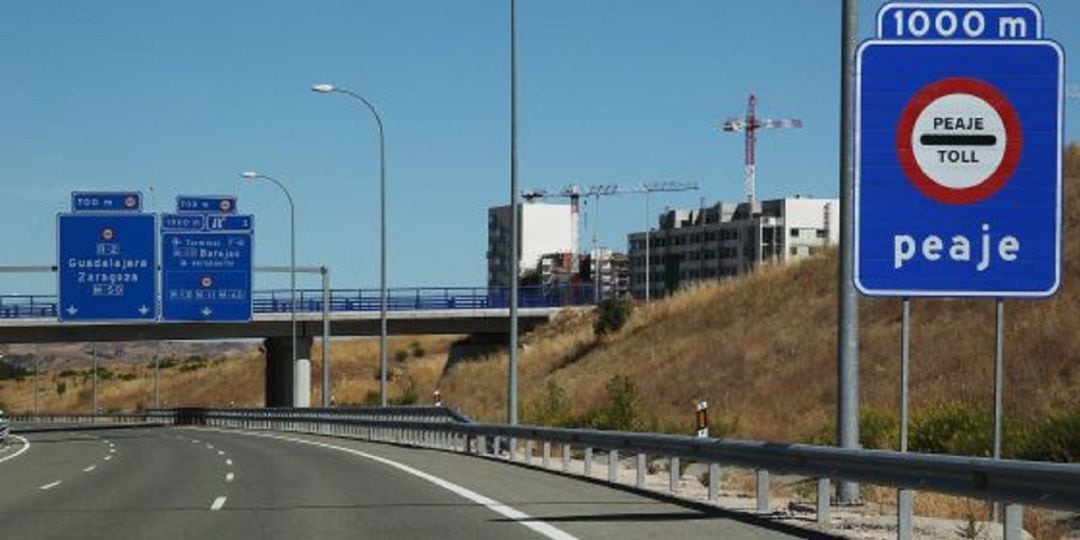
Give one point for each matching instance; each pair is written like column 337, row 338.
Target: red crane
column 750, row 124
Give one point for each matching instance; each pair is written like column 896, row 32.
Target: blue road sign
column 206, row 273
column 106, row 201
column 958, row 154
column 107, row 267
column 206, row 204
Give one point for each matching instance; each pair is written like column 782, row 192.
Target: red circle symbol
column 905, row 145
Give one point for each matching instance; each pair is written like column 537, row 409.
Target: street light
column 252, row 175
column 331, row 89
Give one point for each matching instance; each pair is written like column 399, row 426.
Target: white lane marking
column 229, row 477
column 221, row 452
column 514, row 514
column 107, row 458
column 218, row 503
column 51, row 485
column 228, row 462
column 196, row 441
column 209, row 447
column 112, row 450
column 26, row 446
column 90, row 468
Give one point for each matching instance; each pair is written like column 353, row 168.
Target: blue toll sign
column 107, row 267
column 206, row 204
column 206, row 273
column 958, row 154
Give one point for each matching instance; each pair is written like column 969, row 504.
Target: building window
column 822, row 233
column 794, row 233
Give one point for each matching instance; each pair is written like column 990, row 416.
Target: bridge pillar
column 281, row 374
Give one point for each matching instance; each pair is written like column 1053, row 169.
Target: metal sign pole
column 515, row 230
column 157, row 375
column 848, row 339
column 325, row 336
column 999, row 382
column 93, row 352
column 905, row 497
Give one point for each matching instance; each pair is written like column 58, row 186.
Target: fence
column 22, row 306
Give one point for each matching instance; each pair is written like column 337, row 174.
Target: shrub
column 61, row 387
column 401, row 355
column 1054, row 439
column 953, row 428
column 68, row 373
column 878, row 430
column 410, row 396
column 128, row 377
column 417, row 350
column 552, row 408
column 371, row 398
column 612, row 314
column 11, row 371
column 620, row 413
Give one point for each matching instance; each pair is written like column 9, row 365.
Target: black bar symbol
column 958, row 140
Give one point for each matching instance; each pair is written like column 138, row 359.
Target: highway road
column 173, row 483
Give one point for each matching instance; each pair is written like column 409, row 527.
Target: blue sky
column 182, row 96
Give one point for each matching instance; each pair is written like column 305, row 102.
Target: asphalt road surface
column 172, row 483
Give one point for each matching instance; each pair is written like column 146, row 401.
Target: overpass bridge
column 481, row 312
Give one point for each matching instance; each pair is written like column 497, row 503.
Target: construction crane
column 749, row 125
column 574, row 193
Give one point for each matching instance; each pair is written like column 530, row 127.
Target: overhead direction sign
column 958, row 153
column 107, row 267
column 206, row 267
column 203, row 204
column 106, row 201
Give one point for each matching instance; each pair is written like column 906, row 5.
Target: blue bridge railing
column 25, row 306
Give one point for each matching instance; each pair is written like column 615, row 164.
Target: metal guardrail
column 1016, row 483
column 24, row 306
column 4, row 429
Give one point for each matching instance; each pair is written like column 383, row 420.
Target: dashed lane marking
column 51, row 485
column 90, row 468
column 218, row 503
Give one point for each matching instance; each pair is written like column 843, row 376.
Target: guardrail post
column 512, row 449
column 588, row 461
column 547, row 455
column 1014, row 522
column 762, row 491
column 905, row 500
column 566, row 458
column 528, row 451
column 497, row 451
column 642, row 468
column 674, row 474
column 714, row 481
column 613, row 466
column 823, row 503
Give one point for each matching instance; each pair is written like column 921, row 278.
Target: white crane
column 749, row 124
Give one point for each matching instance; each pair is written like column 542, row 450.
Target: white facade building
column 545, row 228
column 730, row 239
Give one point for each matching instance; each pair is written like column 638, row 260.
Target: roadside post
column 958, row 163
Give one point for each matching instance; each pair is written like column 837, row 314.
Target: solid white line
column 90, row 468
column 229, row 477
column 51, row 485
column 26, row 446
column 218, row 503
column 518, row 516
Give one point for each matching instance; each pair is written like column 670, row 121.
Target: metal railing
column 25, row 306
column 1013, row 482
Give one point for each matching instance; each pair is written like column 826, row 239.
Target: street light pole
column 251, row 175
column 329, row 89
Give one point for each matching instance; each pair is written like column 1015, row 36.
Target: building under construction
column 728, row 240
